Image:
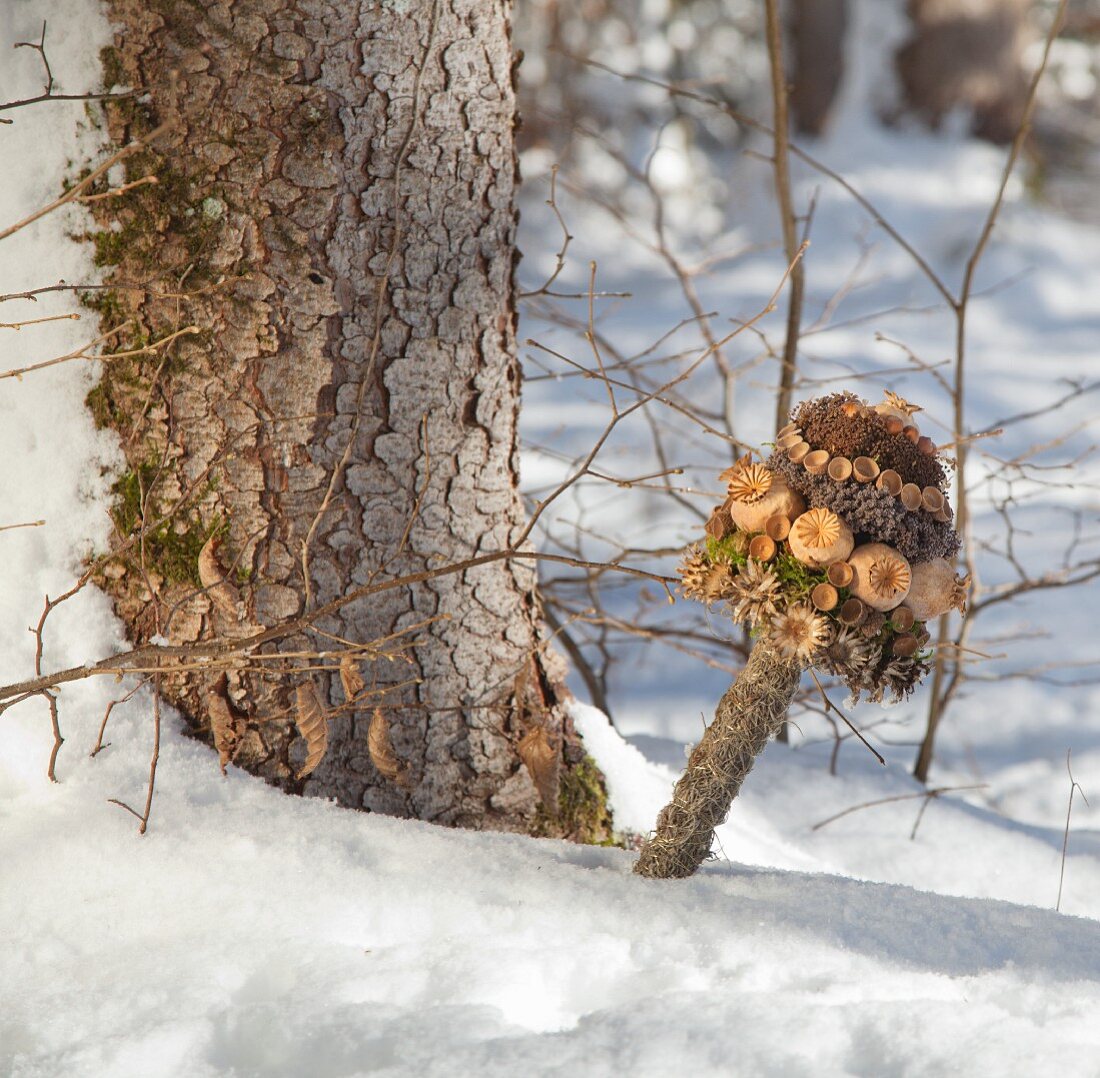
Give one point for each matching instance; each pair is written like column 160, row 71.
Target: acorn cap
column 932, row 499
column 824, row 597
column 816, row 461
column 894, row 424
column 791, row 438
column 839, row 574
column 762, row 548
column 790, row 428
column 798, row 452
column 890, row 481
column 865, row 469
column 881, row 575
column 905, row 647
column 852, row 612
column 777, row 527
column 840, row 468
column 902, row 618
column 819, row 537
column 911, row 497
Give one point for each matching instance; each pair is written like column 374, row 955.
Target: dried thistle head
column 755, row 591
column 799, row 632
column 893, row 400
column 703, row 579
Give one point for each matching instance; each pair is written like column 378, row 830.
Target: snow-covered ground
column 252, row 934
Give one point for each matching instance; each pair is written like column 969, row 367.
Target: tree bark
column 335, row 213
column 817, row 29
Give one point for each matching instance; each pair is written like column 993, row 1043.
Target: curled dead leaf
column 543, row 762
column 350, row 678
column 224, row 726
column 312, row 721
column 212, row 577
column 381, row 750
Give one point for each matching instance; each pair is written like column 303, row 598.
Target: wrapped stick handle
column 751, row 711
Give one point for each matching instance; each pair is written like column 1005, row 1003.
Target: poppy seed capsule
column 839, row 469
column 819, row 537
column 755, row 494
column 882, row 576
column 762, row 548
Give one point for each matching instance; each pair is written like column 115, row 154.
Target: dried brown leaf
column 312, row 721
column 543, row 762
column 223, row 725
column 350, row 678
column 212, row 577
column 381, row 749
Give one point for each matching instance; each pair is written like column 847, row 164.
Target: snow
column 250, row 933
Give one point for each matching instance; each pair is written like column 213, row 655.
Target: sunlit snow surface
column 253, row 934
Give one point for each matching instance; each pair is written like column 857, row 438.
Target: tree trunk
column 817, row 29
column 335, row 213
column 967, row 54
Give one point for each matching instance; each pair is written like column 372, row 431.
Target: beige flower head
column 818, row 528
column 749, row 483
column 799, row 632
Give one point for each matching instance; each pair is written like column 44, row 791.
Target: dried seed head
column 882, row 576
column 749, row 483
column 799, row 632
column 936, row 589
column 753, row 595
column 819, row 537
